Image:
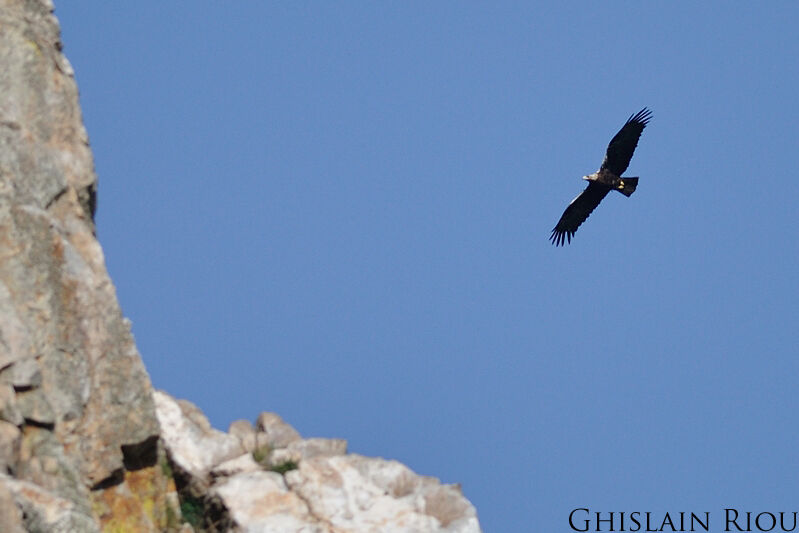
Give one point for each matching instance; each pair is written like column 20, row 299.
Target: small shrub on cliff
column 282, row 468
column 261, row 455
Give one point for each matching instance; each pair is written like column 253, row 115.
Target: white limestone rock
column 242, row 463
column 352, row 493
column 356, row 493
column 259, row 502
column 193, row 444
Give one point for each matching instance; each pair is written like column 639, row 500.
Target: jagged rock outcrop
column 86, row 445
column 267, row 478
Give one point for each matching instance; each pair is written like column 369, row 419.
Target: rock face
column 85, row 442
column 269, row 479
column 78, row 430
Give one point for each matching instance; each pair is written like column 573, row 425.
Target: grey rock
column 57, row 302
column 44, row 462
column 15, row 343
column 241, row 427
column 307, row 449
column 44, row 511
column 245, row 432
column 10, row 438
column 10, row 513
column 316, row 447
column 276, row 432
column 9, row 411
column 34, row 407
column 80, row 391
column 22, row 374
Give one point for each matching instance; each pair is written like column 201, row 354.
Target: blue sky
column 340, row 213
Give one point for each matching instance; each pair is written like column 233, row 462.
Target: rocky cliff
column 85, row 442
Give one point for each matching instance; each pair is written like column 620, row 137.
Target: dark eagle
column 607, row 178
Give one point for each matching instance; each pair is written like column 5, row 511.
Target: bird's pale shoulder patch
column 607, row 178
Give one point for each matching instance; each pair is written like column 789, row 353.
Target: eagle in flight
column 607, row 178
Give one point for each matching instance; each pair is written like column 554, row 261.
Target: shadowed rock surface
column 85, row 443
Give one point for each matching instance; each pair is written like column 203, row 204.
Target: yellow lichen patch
column 139, row 503
column 35, row 46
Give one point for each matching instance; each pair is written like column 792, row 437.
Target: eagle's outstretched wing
column 577, row 211
column 621, row 147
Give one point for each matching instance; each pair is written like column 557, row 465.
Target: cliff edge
column 86, row 444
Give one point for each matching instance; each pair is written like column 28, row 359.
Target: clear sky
column 340, row 211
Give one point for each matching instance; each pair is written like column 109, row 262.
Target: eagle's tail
column 629, row 186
